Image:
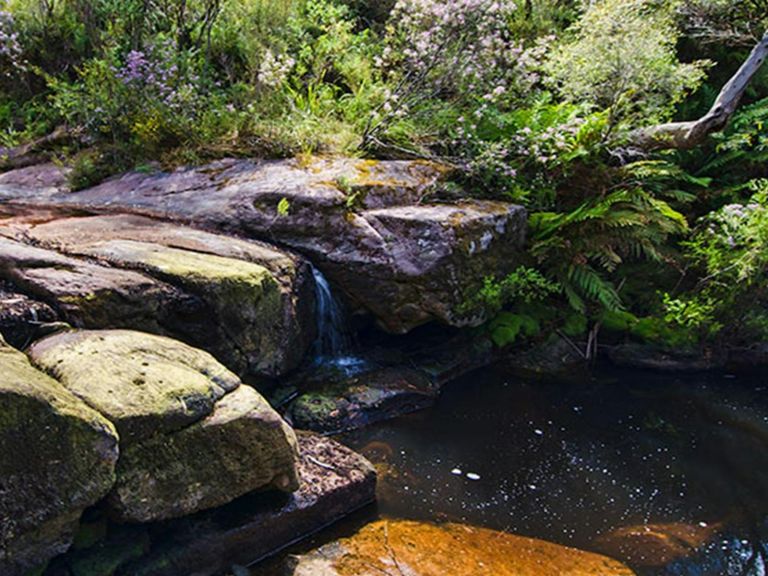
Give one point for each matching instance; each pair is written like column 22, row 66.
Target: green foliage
column 731, row 244
column 622, row 58
column 283, row 207
column 575, row 325
column 522, row 286
column 578, row 248
column 740, row 152
column 692, row 313
column 508, row 327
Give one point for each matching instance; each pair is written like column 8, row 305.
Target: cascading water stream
column 334, row 345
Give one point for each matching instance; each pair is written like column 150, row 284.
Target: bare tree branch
column 686, row 135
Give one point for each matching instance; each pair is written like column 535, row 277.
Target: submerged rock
column 191, row 437
column 645, row 356
column 656, row 545
column 57, row 457
column 364, row 224
column 420, row 549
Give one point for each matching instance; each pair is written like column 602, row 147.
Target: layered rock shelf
column 370, row 227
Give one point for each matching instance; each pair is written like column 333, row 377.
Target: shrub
column 622, row 57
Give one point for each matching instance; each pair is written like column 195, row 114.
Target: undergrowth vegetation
column 530, row 101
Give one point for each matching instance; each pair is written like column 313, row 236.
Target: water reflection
column 573, row 462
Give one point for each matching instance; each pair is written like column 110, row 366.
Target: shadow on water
column 572, row 461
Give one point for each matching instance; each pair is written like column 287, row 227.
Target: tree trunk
column 686, row 135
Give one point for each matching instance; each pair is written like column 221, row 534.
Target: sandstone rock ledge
column 369, row 226
column 247, row 303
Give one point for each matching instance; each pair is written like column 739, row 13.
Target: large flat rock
column 191, row 437
column 421, row 549
column 365, row 224
column 249, row 304
column 57, row 457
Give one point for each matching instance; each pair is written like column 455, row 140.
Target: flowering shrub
column 11, row 57
column 526, row 153
column 459, row 51
column 148, row 98
column 731, row 244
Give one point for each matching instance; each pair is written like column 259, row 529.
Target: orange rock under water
column 656, row 544
column 407, row 548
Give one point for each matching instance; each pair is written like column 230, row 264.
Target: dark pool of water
column 570, row 459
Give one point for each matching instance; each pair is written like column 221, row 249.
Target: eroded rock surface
column 249, row 304
column 364, row 224
column 420, row 549
column 57, row 456
column 191, row 437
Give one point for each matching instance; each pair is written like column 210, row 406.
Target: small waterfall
column 333, row 339
column 334, row 346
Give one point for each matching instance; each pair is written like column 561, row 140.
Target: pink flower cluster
column 457, row 48
column 156, row 74
column 11, row 60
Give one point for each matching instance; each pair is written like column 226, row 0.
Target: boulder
column 241, row 446
column 335, row 481
column 247, row 303
column 191, row 437
column 334, row 405
column 421, row 549
column 57, row 457
column 144, row 384
column 365, row 224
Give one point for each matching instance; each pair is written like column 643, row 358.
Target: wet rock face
column 364, row 224
column 191, row 437
column 57, row 457
column 419, row 549
column 249, row 304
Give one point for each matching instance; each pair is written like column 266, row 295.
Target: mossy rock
column 57, row 457
column 144, row 384
column 192, row 437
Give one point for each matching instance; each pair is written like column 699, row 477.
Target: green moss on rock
column 67, row 463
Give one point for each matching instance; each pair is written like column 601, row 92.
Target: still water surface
column 570, row 459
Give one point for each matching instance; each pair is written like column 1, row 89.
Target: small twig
column 321, row 464
column 390, row 550
column 571, row 343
